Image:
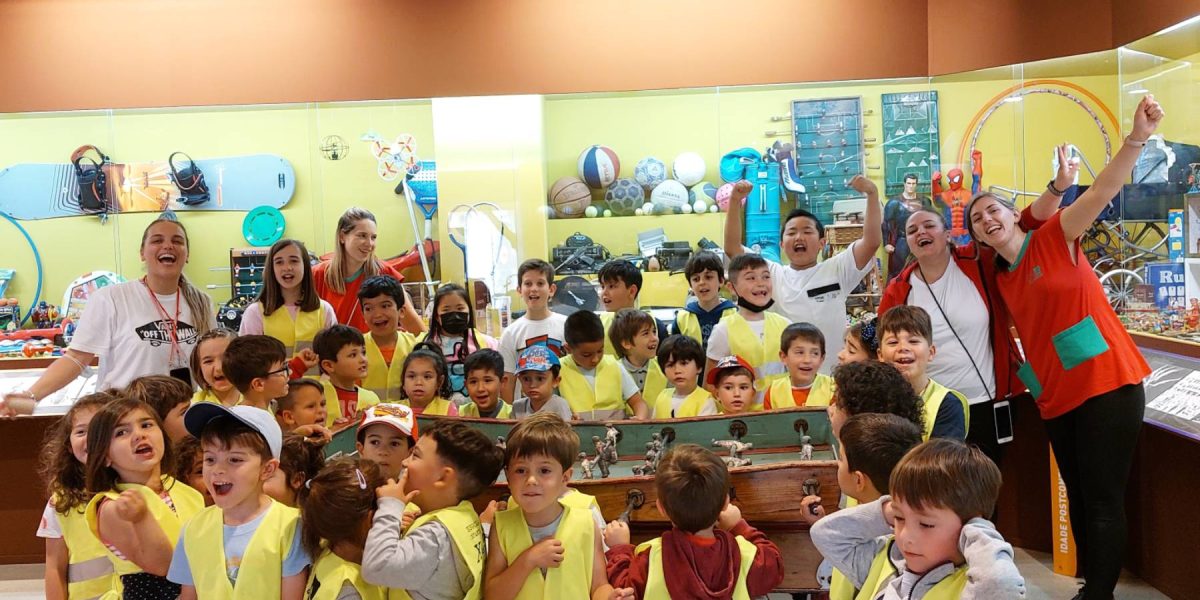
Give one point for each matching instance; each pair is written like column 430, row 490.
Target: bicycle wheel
column 1119, row 285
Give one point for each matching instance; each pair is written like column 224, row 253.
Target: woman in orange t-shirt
column 353, row 262
column 1082, row 367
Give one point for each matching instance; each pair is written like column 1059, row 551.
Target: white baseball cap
column 199, row 415
column 396, row 416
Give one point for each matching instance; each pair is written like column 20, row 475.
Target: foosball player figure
column 806, row 448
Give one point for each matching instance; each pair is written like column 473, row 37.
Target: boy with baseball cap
column 538, row 371
column 732, row 382
column 387, row 435
column 222, row 551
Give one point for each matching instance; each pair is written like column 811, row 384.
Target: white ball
column 714, row 208
column 686, row 208
column 688, row 168
column 639, row 212
column 591, row 211
column 648, row 208
column 700, row 207
column 607, row 212
column 669, row 197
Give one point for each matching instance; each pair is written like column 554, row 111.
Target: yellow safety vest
column 471, row 410
column 762, row 354
column 882, row 571
column 437, row 406
column 260, row 574
column 819, row 394
column 690, row 408
column 331, row 571
column 689, row 324
column 90, row 573
column 296, row 334
column 572, row 578
column 933, row 395
column 840, row 587
column 572, row 498
column 467, row 533
column 333, row 408
column 656, row 582
column 656, row 382
column 387, row 380
column 188, row 502
column 207, row 395
column 585, row 400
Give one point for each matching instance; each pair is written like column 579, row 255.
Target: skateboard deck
column 237, row 183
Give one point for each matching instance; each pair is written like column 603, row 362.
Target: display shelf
column 619, row 234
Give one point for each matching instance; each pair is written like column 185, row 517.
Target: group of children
column 158, row 491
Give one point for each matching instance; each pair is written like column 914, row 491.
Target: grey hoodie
column 850, row 538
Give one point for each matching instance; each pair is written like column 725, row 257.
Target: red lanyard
column 174, row 323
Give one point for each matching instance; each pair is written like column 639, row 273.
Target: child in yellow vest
column 386, row 436
column 484, row 371
column 870, row 445
column 752, row 333
column 344, row 362
column 694, row 558
column 634, row 335
column 257, row 366
column 873, row 387
column 246, row 545
column 206, row 368
column 426, row 385
column 802, row 350
column 930, row 539
column 441, row 554
column 594, row 383
column 544, row 548
column 288, row 307
column 77, row 564
column 382, row 300
column 137, row 511
column 706, row 276
column 733, row 379
column 338, row 505
column 300, row 458
column 680, row 358
column 620, row 285
column 303, row 406
column 168, row 396
column 906, row 342
column 452, row 328
column 539, row 372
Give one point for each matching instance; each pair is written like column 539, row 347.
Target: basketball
column 688, row 168
column 650, row 172
column 624, row 197
column 569, row 197
column 669, row 197
column 599, row 166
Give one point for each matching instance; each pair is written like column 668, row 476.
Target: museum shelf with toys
column 640, row 165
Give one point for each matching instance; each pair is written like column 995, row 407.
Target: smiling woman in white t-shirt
column 143, row 327
column 976, row 353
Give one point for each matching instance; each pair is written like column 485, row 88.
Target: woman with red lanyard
column 144, row 327
column 956, row 285
column 1082, row 367
column 354, row 262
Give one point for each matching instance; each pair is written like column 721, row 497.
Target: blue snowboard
column 236, row 183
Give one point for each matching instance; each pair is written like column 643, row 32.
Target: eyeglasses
column 286, row 370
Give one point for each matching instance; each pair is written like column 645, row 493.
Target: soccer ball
column 624, row 197
column 650, row 172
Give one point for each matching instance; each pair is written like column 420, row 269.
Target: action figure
column 40, row 316
column 953, row 202
column 611, row 433
column 895, row 219
column 806, row 448
column 606, row 455
column 1193, row 315
column 735, row 448
column 586, row 465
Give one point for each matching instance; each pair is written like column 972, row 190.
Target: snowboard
column 236, row 183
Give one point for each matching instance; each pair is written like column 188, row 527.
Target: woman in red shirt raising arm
column 1081, row 366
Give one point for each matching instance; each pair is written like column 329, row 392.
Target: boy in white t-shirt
column 539, row 326
column 807, row 291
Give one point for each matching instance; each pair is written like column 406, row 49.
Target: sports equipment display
column 669, row 197
column 704, row 192
column 650, row 172
column 569, row 198
column 688, row 168
column 32, row 191
column 599, row 166
column 624, row 197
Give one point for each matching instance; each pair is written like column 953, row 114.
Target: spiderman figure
column 953, row 201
